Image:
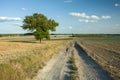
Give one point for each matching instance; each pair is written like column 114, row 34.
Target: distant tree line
column 73, row 35
column 26, row 34
column 3, row 35
column 94, row 35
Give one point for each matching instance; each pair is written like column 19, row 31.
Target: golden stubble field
column 21, row 56
column 16, row 44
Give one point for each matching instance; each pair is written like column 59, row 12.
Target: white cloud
column 87, row 21
column 93, row 21
column 24, row 9
column 82, row 15
column 10, row 19
column 94, row 17
column 68, row 1
column 116, row 4
column 88, row 18
column 106, row 17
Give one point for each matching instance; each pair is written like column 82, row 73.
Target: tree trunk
column 40, row 40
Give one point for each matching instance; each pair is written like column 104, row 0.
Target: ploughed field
column 105, row 51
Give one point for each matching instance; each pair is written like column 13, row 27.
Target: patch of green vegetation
column 72, row 60
column 74, row 77
column 73, row 73
column 73, row 67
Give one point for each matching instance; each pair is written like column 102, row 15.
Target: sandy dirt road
column 56, row 68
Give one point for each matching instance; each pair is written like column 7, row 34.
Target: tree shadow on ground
column 24, row 41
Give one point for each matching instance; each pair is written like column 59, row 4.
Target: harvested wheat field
column 22, row 57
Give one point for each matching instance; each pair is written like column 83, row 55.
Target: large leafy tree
column 39, row 25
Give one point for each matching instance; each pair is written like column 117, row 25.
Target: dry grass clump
column 10, row 72
column 106, row 53
column 20, row 60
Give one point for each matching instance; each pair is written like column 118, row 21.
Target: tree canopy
column 40, row 25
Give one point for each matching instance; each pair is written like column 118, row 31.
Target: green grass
column 72, row 65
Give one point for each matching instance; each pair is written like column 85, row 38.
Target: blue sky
column 74, row 16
